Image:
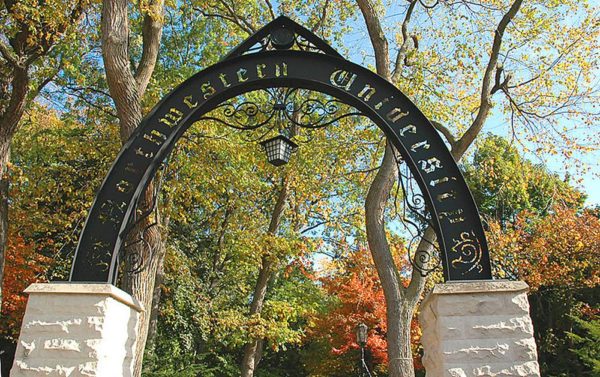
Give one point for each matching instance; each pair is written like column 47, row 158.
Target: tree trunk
column 141, row 284
column 4, row 186
column 9, row 121
column 126, row 89
column 156, row 298
column 400, row 302
column 398, row 311
column 160, row 273
column 253, row 350
column 400, row 306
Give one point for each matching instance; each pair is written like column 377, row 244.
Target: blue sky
column 589, row 182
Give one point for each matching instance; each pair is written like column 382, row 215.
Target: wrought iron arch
column 285, row 54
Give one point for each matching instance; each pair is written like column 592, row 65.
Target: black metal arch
column 313, row 65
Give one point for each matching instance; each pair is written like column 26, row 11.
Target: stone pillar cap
column 102, row 289
column 478, row 286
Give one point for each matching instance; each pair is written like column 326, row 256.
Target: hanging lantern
column 361, row 335
column 279, row 149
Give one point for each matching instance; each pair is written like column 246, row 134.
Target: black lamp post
column 362, row 333
column 279, row 148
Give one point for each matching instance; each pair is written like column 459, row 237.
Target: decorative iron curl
column 314, row 113
column 243, row 116
column 134, row 260
column 300, row 43
column 416, row 219
column 304, row 44
column 281, row 104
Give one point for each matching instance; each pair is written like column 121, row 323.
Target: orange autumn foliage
column 23, row 267
column 360, row 299
column 561, row 249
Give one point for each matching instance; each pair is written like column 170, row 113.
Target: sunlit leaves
column 560, row 249
column 504, row 183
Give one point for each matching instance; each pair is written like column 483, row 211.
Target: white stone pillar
column 478, row 328
column 77, row 330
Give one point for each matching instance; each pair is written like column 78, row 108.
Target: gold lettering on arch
column 367, row 92
column 241, row 75
column 223, row 78
column 342, row 79
column 395, row 114
column 172, row 118
column 430, row 165
column 187, row 100
column 207, row 90
column 260, row 70
column 281, row 70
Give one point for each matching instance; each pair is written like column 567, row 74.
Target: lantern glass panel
column 279, row 150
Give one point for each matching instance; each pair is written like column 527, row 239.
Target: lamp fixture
column 279, row 149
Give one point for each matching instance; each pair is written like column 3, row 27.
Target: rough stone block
column 479, row 328
column 77, row 330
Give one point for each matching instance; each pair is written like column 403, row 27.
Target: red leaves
column 360, row 300
column 23, row 267
column 562, row 248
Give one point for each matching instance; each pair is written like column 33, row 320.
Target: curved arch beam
column 455, row 217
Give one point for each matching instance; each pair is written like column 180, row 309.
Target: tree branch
column 46, row 81
column 241, row 22
column 54, row 34
column 319, row 23
column 406, row 38
column 270, row 7
column 217, row 15
column 377, row 36
column 446, row 132
column 151, row 36
column 10, row 56
column 485, row 102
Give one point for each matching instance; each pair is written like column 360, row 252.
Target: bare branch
column 45, row 82
column 485, row 103
column 406, row 39
column 241, row 22
column 76, row 93
column 217, row 15
column 549, row 67
column 319, row 23
column 270, row 7
column 88, row 89
column 427, row 6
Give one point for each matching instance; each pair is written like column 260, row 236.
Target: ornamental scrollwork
column 469, row 252
column 270, row 107
column 423, row 249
